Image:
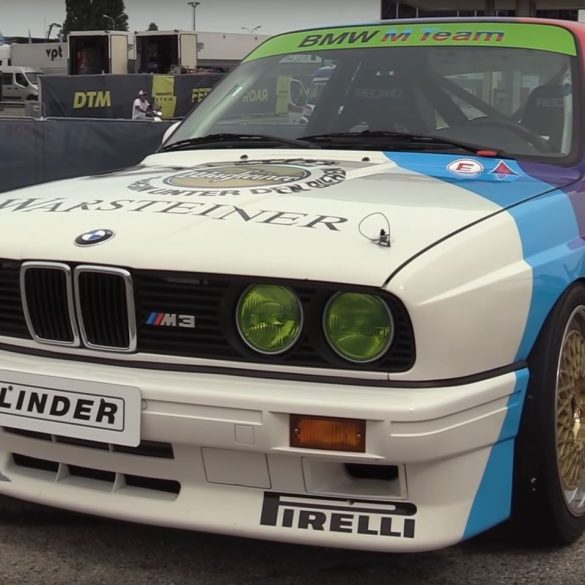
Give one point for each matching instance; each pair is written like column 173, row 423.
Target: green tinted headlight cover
column 359, row 327
column 269, row 318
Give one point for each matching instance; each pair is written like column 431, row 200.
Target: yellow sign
column 163, row 94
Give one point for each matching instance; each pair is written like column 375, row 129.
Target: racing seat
column 381, row 100
column 544, row 113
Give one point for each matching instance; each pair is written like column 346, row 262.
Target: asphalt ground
column 45, row 546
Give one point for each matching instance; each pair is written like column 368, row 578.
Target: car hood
column 335, row 216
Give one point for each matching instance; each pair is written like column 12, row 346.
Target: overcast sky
column 17, row 16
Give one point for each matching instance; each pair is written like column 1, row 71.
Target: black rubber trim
column 513, row 367
column 463, row 380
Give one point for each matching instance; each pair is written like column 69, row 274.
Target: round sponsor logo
column 466, row 166
column 235, row 176
column 94, row 237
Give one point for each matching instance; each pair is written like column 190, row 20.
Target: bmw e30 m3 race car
column 361, row 329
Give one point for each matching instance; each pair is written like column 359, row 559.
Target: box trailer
column 166, row 51
column 47, row 58
column 5, row 54
column 93, row 52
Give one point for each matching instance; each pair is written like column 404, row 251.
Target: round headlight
column 269, row 318
column 359, row 327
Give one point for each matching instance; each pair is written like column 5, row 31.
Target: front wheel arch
column 540, row 510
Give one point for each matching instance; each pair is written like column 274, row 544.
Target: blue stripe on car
column 493, row 500
column 548, row 230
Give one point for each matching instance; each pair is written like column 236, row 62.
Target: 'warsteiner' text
column 208, row 210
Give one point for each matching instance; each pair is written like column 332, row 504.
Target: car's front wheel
column 549, row 490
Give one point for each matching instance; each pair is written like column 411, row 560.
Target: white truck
column 46, row 58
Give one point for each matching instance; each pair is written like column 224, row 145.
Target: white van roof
column 17, row 69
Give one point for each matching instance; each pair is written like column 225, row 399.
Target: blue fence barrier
column 35, row 151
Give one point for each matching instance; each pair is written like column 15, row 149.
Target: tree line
column 97, row 15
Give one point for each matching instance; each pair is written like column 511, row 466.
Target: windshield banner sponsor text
column 439, row 34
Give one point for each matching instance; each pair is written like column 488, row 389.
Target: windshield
column 32, row 77
column 503, row 86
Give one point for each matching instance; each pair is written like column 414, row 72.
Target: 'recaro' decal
column 363, row 517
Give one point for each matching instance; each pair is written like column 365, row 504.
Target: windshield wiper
column 229, row 140
column 402, row 139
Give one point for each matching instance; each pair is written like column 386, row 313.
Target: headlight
column 269, row 318
column 359, row 327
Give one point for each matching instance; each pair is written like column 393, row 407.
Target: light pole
column 112, row 20
column 51, row 27
column 251, row 30
column 194, row 6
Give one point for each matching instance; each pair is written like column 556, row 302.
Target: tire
column 549, row 476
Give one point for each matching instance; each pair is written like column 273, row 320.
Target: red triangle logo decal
column 503, row 169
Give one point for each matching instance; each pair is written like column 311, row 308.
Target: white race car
column 366, row 331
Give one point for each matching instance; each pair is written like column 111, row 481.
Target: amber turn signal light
column 328, row 433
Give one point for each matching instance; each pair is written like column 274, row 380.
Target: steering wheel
column 539, row 143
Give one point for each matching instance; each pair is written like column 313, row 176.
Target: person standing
column 141, row 107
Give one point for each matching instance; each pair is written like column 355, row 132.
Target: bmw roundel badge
column 94, row 237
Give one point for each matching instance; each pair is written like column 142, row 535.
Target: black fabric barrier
column 112, row 96
column 35, row 151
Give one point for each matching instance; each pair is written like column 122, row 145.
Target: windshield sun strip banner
column 542, row 37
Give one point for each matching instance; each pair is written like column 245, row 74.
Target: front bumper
column 216, row 457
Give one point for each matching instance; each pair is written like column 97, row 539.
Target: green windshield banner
column 540, row 37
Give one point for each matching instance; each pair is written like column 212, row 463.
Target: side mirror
column 169, row 132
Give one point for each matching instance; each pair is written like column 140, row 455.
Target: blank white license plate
column 85, row 410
